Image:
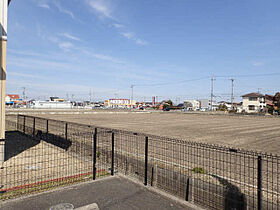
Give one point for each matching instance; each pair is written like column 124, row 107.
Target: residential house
column 276, row 101
column 269, row 103
column 11, row 99
column 120, row 103
column 205, row 105
column 192, row 105
column 253, row 103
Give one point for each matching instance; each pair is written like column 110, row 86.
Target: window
column 251, row 107
column 253, row 98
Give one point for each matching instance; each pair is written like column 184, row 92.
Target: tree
column 170, row 102
column 222, row 107
column 276, row 101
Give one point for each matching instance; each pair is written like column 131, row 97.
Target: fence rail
column 212, row 176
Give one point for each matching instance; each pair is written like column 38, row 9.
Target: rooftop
column 253, row 95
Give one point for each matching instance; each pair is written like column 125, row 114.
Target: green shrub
column 199, row 170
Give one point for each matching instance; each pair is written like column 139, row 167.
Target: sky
column 82, row 49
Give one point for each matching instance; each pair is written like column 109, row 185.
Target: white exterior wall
column 195, row 104
column 51, row 105
column 259, row 104
column 7, row 99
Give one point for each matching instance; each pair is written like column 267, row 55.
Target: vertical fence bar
column 34, row 126
column 152, row 177
column 24, row 124
column 94, row 153
column 66, row 129
column 47, row 127
column 146, row 161
column 113, row 150
column 259, row 182
column 17, row 122
column 187, row 189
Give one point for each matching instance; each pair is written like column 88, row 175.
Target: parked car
column 166, row 109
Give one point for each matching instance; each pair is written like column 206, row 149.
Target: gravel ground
column 249, row 132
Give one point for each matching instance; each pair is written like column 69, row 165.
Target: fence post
column 47, row 127
column 146, row 161
column 94, row 153
column 113, row 153
column 66, row 129
column 152, row 177
column 34, row 126
column 24, row 124
column 18, row 122
column 259, row 182
column 187, row 189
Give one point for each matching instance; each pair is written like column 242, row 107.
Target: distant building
column 269, row 101
column 253, row 103
column 276, row 100
column 192, row 105
column 57, row 99
column 11, row 99
column 205, row 105
column 120, row 103
column 51, row 105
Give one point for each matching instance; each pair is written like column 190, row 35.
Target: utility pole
column 23, row 93
column 89, row 96
column 212, row 89
column 232, row 96
column 132, row 86
column 3, row 64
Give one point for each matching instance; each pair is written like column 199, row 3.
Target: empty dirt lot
column 249, row 132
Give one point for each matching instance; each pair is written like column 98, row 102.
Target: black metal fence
column 61, row 153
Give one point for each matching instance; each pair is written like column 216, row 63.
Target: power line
column 171, row 83
column 207, row 77
column 248, row 75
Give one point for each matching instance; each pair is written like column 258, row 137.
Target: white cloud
column 102, row 7
column 128, row 35
column 44, row 5
column 23, row 75
column 258, row 63
column 100, row 56
column 141, row 42
column 70, row 36
column 132, row 36
column 117, row 25
column 63, row 10
column 35, row 63
column 66, row 46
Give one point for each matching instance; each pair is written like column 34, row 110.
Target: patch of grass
column 199, row 170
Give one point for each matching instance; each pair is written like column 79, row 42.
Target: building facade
column 253, row 103
column 120, row 103
column 192, row 105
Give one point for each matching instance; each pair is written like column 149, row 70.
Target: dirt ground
column 249, row 132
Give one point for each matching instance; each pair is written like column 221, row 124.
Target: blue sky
column 72, row 47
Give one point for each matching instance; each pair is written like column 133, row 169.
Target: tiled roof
column 13, row 96
column 253, row 95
